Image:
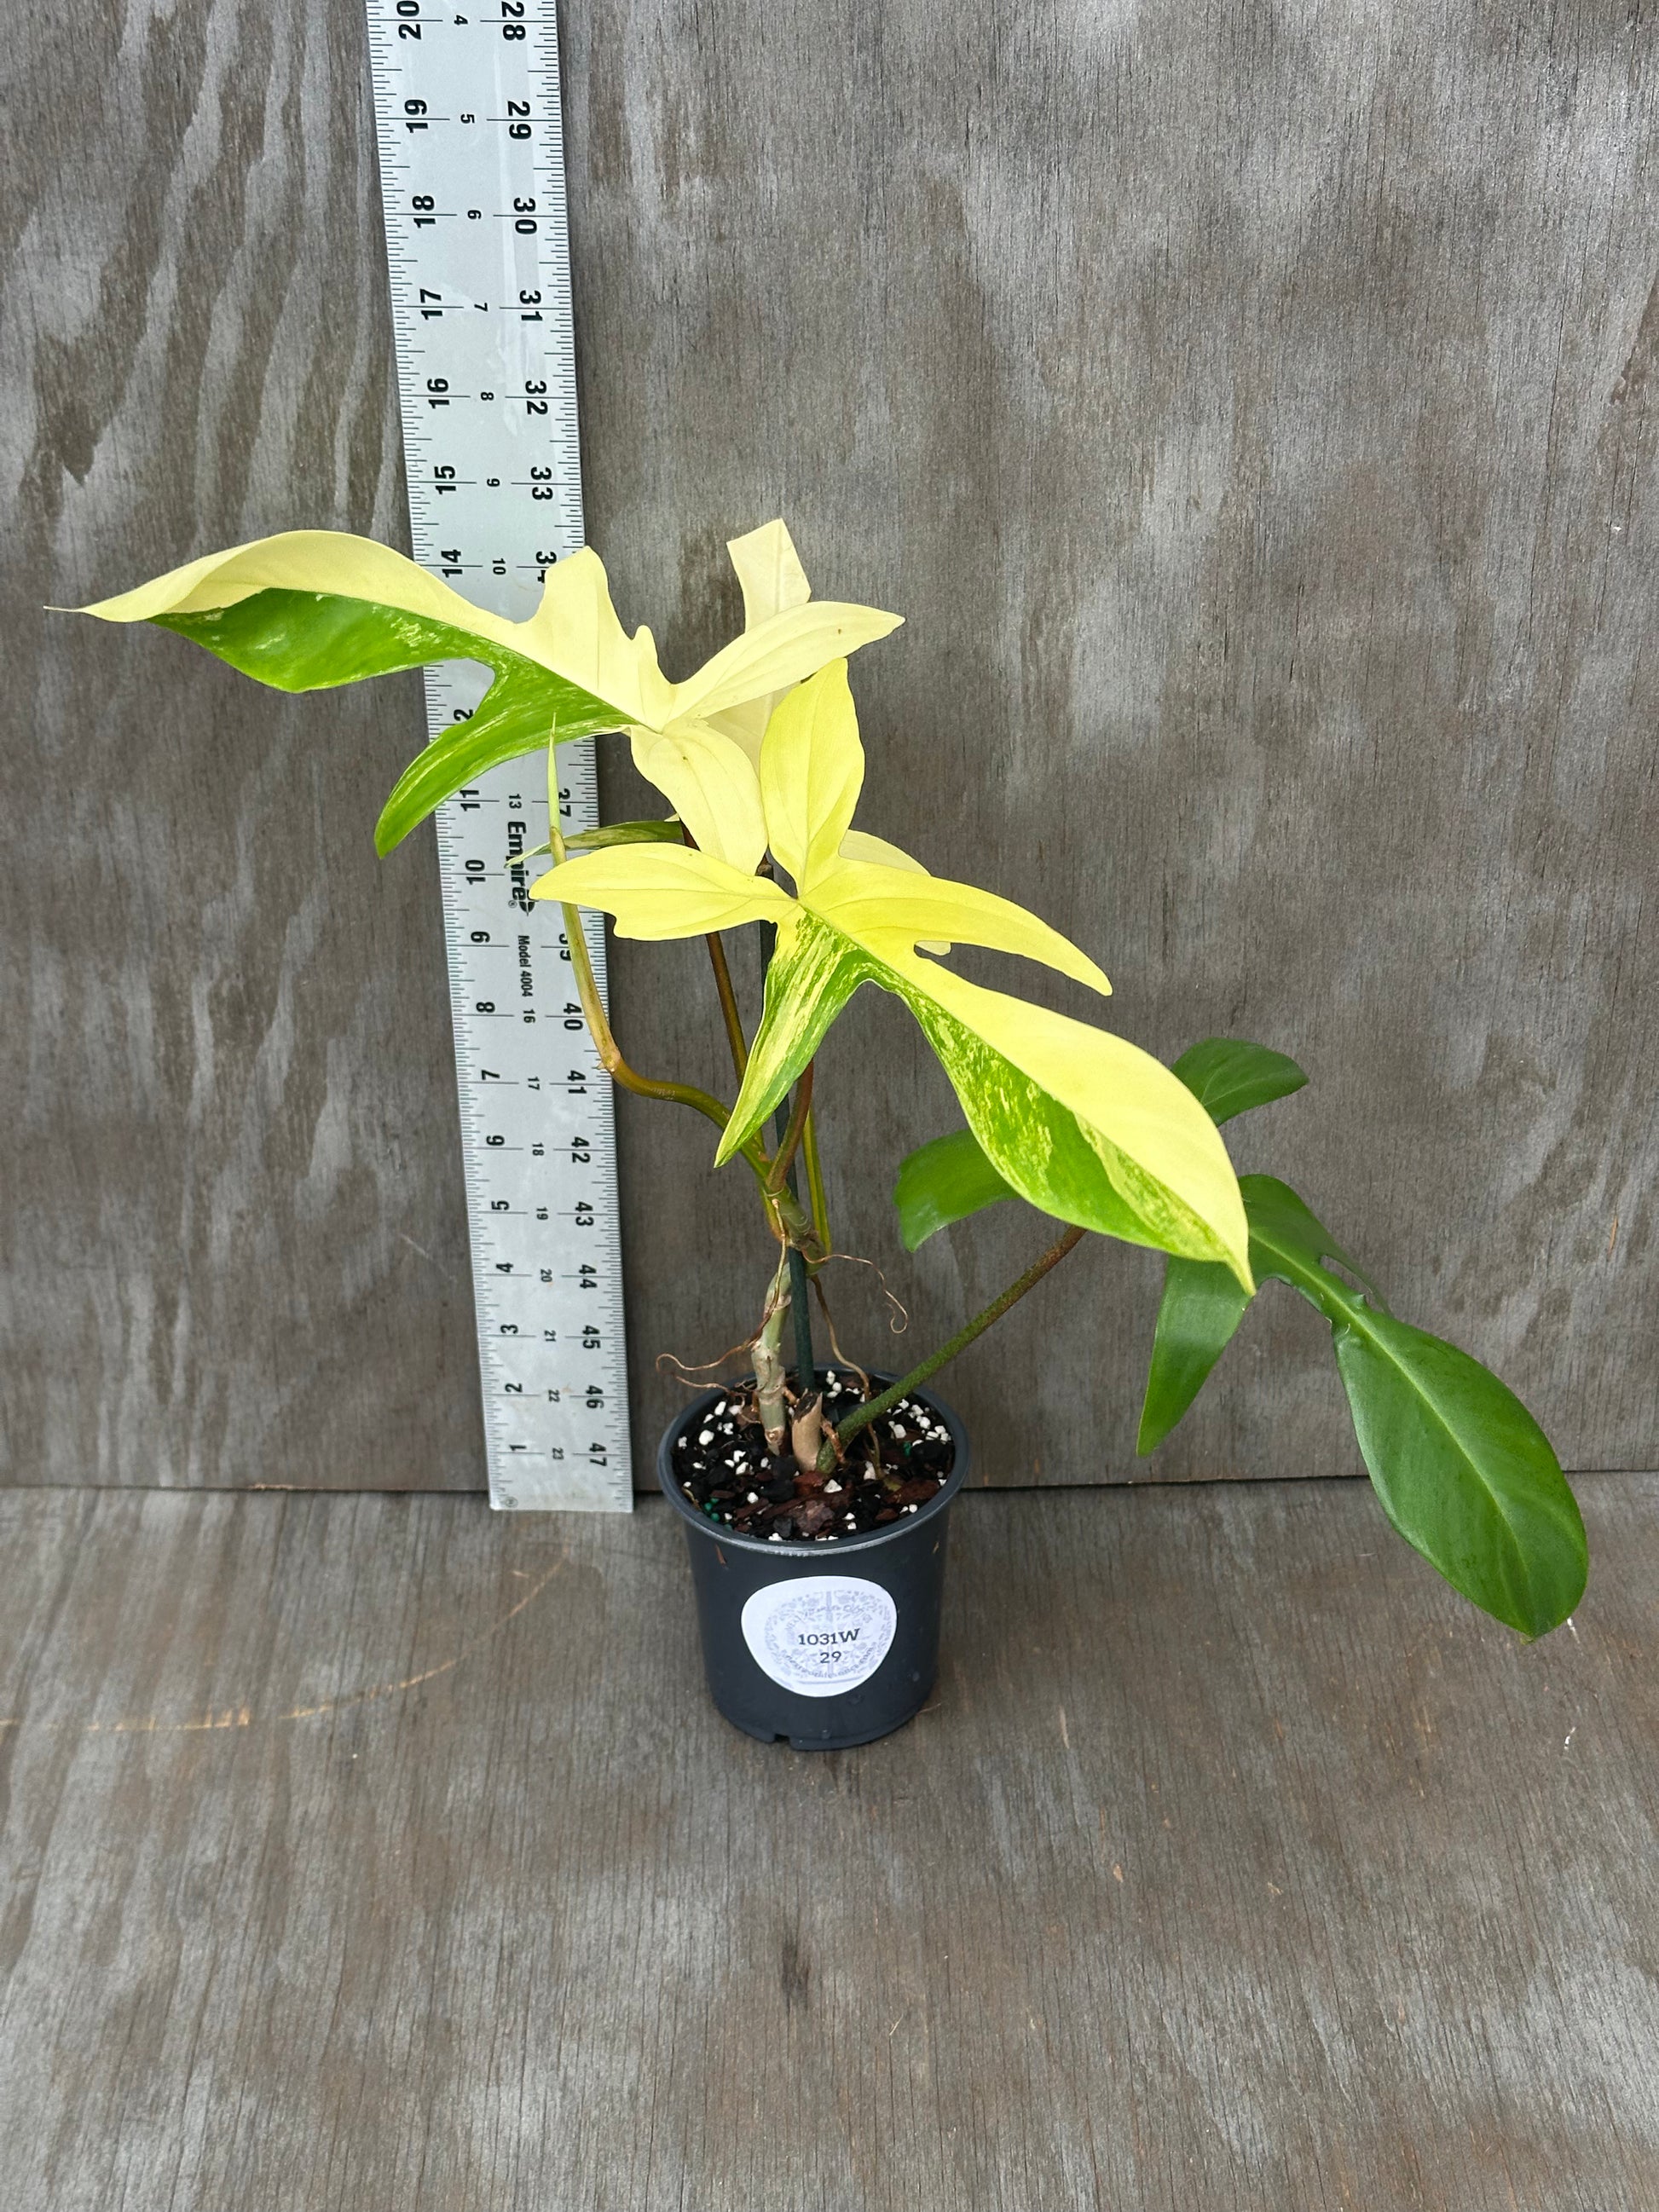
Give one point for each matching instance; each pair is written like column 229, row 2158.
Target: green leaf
column 1464, row 1472
column 1202, row 1305
column 1294, row 1244
column 945, row 1181
column 314, row 640
column 1201, row 1308
column 524, row 710
column 1228, row 1076
column 624, row 833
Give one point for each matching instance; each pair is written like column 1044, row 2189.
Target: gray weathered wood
column 235, row 1247
column 369, row 1852
column 1254, row 416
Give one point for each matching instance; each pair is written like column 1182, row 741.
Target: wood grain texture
column 369, row 1852
column 1253, row 412
column 235, row 1243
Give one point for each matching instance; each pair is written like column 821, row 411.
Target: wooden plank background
column 363, row 1852
column 1252, row 409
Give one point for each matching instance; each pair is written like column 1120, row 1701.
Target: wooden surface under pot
column 363, row 1851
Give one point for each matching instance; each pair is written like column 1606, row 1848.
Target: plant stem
column 587, row 990
column 728, row 998
column 783, row 1160
column 768, row 1368
column 629, row 1078
column 598, row 1026
column 806, row 1371
column 873, row 1409
column 808, row 1152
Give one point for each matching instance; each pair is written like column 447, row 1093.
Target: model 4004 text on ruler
column 472, row 179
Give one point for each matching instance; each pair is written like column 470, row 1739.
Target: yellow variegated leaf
column 891, row 910
column 1155, row 1141
column 792, row 645
column 709, row 782
column 860, row 845
column 812, row 973
column 311, row 608
column 663, row 890
column 812, row 772
column 575, row 632
column 769, row 569
column 1077, row 1121
column 746, row 724
column 300, row 561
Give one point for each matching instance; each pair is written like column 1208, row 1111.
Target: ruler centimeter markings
column 466, row 111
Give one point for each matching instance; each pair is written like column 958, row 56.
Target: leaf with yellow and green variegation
column 1081, row 1122
column 949, row 1178
column 311, row 608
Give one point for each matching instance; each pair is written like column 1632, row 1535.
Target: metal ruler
column 466, row 111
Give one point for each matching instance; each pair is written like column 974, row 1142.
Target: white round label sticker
column 819, row 1634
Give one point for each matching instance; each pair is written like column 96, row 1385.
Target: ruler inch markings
column 471, row 162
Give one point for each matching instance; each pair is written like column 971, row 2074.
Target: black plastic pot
column 828, row 1645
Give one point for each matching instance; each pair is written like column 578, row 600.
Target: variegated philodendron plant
column 758, row 756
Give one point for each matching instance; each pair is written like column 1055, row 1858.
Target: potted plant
column 816, row 1496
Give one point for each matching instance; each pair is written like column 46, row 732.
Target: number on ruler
column 467, row 109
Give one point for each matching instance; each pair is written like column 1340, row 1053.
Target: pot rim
column 813, row 1547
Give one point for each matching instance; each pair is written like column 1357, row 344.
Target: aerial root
column 896, row 1326
column 670, row 1362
